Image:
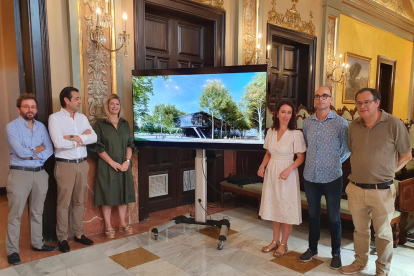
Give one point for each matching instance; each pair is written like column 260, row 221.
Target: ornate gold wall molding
column 394, row 5
column 248, row 30
column 330, row 46
column 291, row 19
column 96, row 67
column 213, row 3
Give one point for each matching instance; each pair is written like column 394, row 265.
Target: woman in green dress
column 114, row 185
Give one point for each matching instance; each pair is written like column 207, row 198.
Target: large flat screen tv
column 208, row 108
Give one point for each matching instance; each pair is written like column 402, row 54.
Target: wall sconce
column 342, row 69
column 99, row 29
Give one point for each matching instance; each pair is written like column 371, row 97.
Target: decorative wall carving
column 98, row 67
column 394, row 5
column 213, row 3
column 291, row 19
column 330, row 46
column 249, row 32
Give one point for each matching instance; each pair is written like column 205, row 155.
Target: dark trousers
column 332, row 192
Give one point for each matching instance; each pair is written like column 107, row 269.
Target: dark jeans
column 332, row 192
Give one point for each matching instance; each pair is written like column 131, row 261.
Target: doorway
column 293, row 57
column 386, row 81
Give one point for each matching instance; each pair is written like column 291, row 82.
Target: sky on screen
column 183, row 91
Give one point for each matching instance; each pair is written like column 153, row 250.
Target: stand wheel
column 220, row 245
column 156, row 236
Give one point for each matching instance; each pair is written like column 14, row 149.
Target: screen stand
column 200, row 204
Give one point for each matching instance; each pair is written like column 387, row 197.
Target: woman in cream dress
column 281, row 201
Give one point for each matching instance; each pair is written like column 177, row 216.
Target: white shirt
column 61, row 124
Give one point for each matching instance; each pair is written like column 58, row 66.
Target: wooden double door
column 293, row 61
column 174, row 34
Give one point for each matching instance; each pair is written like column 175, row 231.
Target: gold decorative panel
column 394, row 5
column 330, row 46
column 249, row 31
column 213, row 3
column 96, row 67
column 291, row 19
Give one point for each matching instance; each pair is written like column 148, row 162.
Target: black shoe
column 336, row 262
column 308, row 255
column 64, row 246
column 84, row 240
column 45, row 248
column 13, row 258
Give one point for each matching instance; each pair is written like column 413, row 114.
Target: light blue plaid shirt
column 23, row 142
column 327, row 147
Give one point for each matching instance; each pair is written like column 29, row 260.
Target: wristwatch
column 128, row 160
column 71, row 137
column 31, row 158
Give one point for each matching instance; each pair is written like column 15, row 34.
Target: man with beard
column 30, row 147
column 70, row 132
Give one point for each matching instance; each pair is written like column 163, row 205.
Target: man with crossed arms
column 70, row 132
column 30, row 147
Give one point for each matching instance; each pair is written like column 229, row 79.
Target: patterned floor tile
column 116, row 247
column 101, row 267
column 291, row 261
column 214, row 232
column 271, row 269
column 134, row 257
column 41, row 267
column 10, row 271
column 242, row 260
column 155, row 268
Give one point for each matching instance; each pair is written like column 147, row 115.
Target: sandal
column 266, row 249
column 279, row 254
column 110, row 233
column 127, row 230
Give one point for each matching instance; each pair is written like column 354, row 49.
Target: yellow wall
column 365, row 40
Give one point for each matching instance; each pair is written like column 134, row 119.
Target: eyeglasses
column 28, row 107
column 323, row 96
column 365, row 103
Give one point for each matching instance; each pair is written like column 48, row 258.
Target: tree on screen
column 213, row 99
column 163, row 115
column 254, row 101
column 142, row 89
column 234, row 117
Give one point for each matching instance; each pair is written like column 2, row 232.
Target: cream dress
column 281, row 198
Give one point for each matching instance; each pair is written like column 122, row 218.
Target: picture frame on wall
column 358, row 76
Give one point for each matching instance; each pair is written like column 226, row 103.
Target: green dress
column 112, row 187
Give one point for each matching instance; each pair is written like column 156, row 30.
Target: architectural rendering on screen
column 207, row 108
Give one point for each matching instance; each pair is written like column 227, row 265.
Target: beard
column 28, row 116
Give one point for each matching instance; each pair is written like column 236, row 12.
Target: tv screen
column 208, row 108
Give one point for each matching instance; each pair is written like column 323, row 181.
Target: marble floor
column 192, row 250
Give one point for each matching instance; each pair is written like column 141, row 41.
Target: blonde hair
column 106, row 104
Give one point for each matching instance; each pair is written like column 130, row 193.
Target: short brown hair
column 25, row 96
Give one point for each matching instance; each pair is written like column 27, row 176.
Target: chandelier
column 99, row 27
column 339, row 67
